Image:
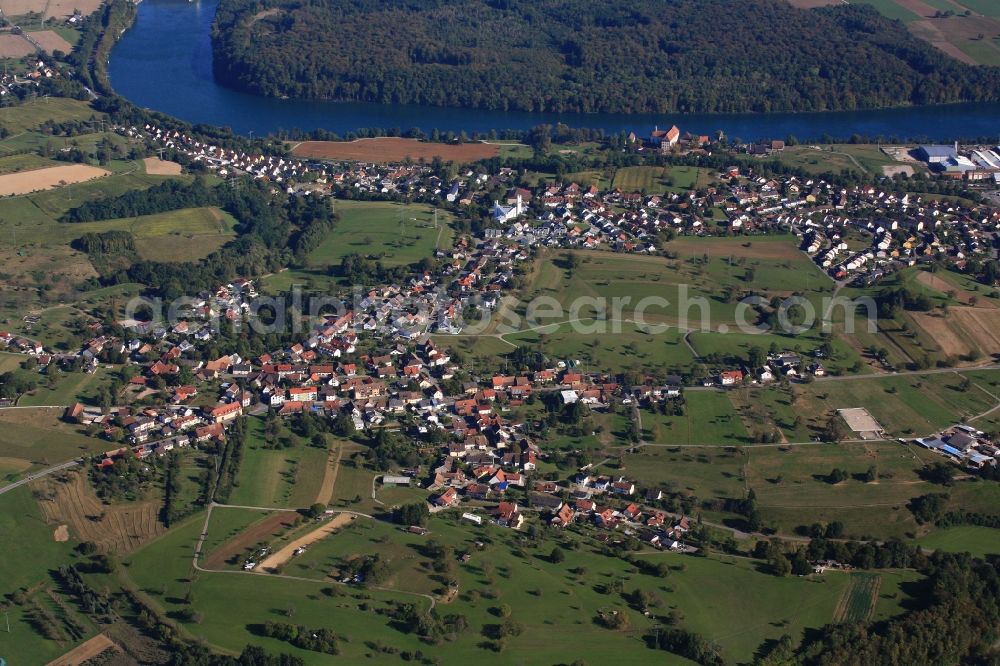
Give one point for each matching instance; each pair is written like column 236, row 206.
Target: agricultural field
column 24, row 162
column 60, row 9
column 31, row 115
column 278, row 477
column 913, row 405
column 657, row 180
column 34, row 219
column 188, row 234
column 37, row 180
column 792, row 487
column 969, row 39
column 396, row 234
column 703, row 473
column 394, row 149
column 68, row 503
column 860, row 598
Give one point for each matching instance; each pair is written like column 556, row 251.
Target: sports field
column 394, row 149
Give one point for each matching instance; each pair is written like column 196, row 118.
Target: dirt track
column 325, row 494
column 277, row 559
column 393, row 149
column 262, row 531
column 85, row 651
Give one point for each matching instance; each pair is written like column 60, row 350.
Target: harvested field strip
column 276, row 560
column 325, row 495
column 119, row 529
column 85, row 652
column 157, row 167
column 859, row 599
column 25, row 182
column 262, row 531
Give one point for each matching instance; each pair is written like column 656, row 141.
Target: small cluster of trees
column 232, row 457
column 316, row 640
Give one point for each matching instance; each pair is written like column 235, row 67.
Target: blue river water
column 164, row 62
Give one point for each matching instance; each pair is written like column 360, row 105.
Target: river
column 164, row 62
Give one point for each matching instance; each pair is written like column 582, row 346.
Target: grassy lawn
column 32, row 114
column 38, row 437
column 278, row 477
column 709, row 418
column 396, row 233
column 724, row 599
column 792, row 489
column 28, row 560
column 914, row 405
column 980, row 541
column 69, row 387
column 609, row 351
column 35, row 218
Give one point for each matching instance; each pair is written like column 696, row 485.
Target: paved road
column 38, row 475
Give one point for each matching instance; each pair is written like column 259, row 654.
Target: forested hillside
column 582, row 55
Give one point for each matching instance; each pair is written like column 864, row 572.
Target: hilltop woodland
column 634, row 56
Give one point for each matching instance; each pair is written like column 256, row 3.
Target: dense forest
column 632, row 56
